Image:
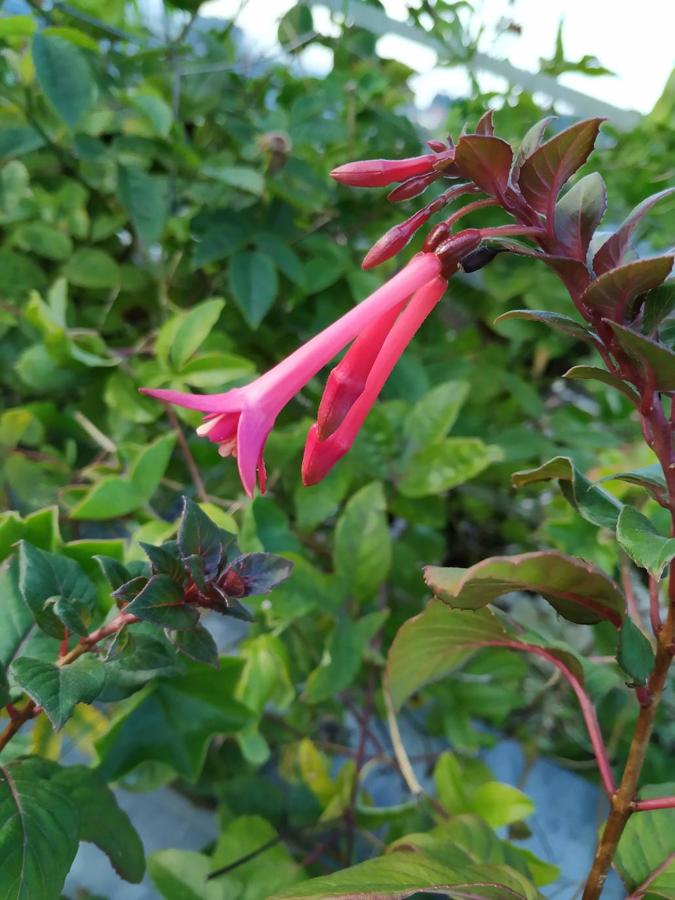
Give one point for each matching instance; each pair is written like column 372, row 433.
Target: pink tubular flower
column 321, row 455
column 240, row 420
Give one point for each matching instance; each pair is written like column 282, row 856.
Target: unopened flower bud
column 412, row 187
column 437, row 146
column 455, row 247
column 380, row 172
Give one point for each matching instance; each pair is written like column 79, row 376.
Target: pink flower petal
column 251, row 436
column 230, row 401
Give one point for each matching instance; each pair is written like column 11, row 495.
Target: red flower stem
column 587, row 708
column 511, row 230
column 654, row 605
column 656, row 803
column 469, row 208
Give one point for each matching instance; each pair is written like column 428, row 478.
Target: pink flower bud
column 380, row 172
column 453, row 248
column 437, row 146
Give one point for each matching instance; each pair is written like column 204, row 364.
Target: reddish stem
column 654, row 606
column 587, row 708
column 656, row 803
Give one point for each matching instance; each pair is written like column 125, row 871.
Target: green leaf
column 648, row 842
column 612, row 293
column 295, row 27
column 89, row 268
column 486, row 161
column 18, row 623
column 44, row 576
column 39, row 831
column 595, row 505
column 183, row 875
column 172, row 722
column 501, row 804
column 285, row 258
column 444, row 465
column 254, row 283
column 546, row 170
column 645, row 545
column 635, row 654
column 650, row 478
column 576, row 589
column 197, row 644
column 17, row 26
column 557, row 321
column 65, row 77
column 162, row 602
column 400, row 874
column 578, row 213
column 146, row 199
column 195, row 327
column 654, row 360
column 595, row 373
column 362, row 548
column 103, row 823
column 57, row 689
column 156, row 111
column 133, row 659
column 315, row 504
column 434, row 415
column 109, row 498
column 44, row 240
column 433, row 643
column 241, row 177
column 340, row 664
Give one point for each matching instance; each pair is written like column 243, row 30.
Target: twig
column 404, row 764
column 656, row 803
column 654, row 601
column 96, row 434
column 187, row 455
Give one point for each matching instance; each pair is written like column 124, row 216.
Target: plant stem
column 31, row 709
column 623, row 801
column 16, row 722
column 187, row 455
column 404, row 764
column 655, row 803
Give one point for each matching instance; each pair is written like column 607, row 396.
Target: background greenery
column 168, row 220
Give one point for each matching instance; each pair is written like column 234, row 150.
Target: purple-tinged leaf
column 255, row 573
column 197, row 534
column 529, row 144
column 572, row 272
column 576, row 589
column 163, row 562
column 486, row 124
column 197, row 644
column 612, row 293
column 646, row 546
column 611, row 253
column 578, row 213
column 548, row 168
column 557, row 321
column 486, row 161
column 162, row 602
column 655, row 362
column 595, row 373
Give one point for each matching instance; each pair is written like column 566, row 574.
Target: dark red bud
column 413, row 187
column 437, row 146
column 435, row 236
column 455, row 247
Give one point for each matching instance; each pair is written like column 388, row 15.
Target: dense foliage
column 168, row 221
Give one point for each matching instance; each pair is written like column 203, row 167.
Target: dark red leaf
column 529, row 144
column 612, row 292
column 572, row 272
column 578, row 213
column 486, row 161
column 655, row 361
column 612, row 251
column 548, row 168
column 486, row 124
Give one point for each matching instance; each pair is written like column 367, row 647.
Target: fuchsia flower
column 240, row 420
column 321, row 455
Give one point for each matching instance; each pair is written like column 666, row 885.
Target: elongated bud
column 413, row 187
column 320, row 457
column 437, row 146
column 437, row 234
column 380, row 172
column 455, row 247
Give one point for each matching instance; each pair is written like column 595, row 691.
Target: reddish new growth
column 526, row 186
